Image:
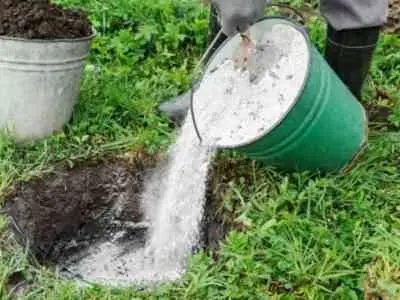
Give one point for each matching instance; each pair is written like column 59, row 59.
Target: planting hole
column 70, row 215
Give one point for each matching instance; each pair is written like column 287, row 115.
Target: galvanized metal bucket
column 324, row 129
column 39, row 84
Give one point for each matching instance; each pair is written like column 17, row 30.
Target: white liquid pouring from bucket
column 174, row 200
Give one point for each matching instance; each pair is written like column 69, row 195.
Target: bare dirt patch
column 61, row 215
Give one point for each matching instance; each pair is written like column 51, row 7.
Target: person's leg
column 352, row 34
column 176, row 108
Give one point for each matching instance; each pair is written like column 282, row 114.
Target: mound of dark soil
column 61, row 215
column 40, row 19
column 67, row 211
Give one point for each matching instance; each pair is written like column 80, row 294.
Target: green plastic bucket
column 325, row 128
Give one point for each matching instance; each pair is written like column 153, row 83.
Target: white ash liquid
column 229, row 110
column 173, row 199
column 241, row 110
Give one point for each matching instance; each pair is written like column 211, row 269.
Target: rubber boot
column 176, row 108
column 349, row 53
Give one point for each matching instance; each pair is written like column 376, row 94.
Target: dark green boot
column 349, row 53
column 177, row 107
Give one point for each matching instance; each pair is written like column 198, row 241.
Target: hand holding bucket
column 323, row 128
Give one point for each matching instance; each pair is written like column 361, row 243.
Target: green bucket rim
column 307, row 39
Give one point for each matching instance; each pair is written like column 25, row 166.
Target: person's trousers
column 354, row 14
column 353, row 31
column 339, row 14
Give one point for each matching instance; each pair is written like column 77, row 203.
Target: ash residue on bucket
column 233, row 107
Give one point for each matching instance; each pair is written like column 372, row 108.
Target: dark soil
column 65, row 212
column 58, row 217
column 40, row 19
column 393, row 23
column 379, row 113
column 16, row 285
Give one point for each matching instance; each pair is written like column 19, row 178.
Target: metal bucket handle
column 206, row 53
column 294, row 10
column 196, row 81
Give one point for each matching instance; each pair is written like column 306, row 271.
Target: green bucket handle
column 196, row 82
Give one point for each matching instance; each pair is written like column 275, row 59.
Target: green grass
column 304, row 236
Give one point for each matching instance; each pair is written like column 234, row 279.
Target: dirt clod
column 40, row 19
column 393, row 22
column 16, row 285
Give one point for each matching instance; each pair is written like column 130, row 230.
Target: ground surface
column 61, row 215
column 40, row 19
column 295, row 236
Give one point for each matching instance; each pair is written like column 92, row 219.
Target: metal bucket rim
column 49, row 41
column 295, row 100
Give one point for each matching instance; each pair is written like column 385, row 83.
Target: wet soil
column 59, row 216
column 40, row 19
column 218, row 219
